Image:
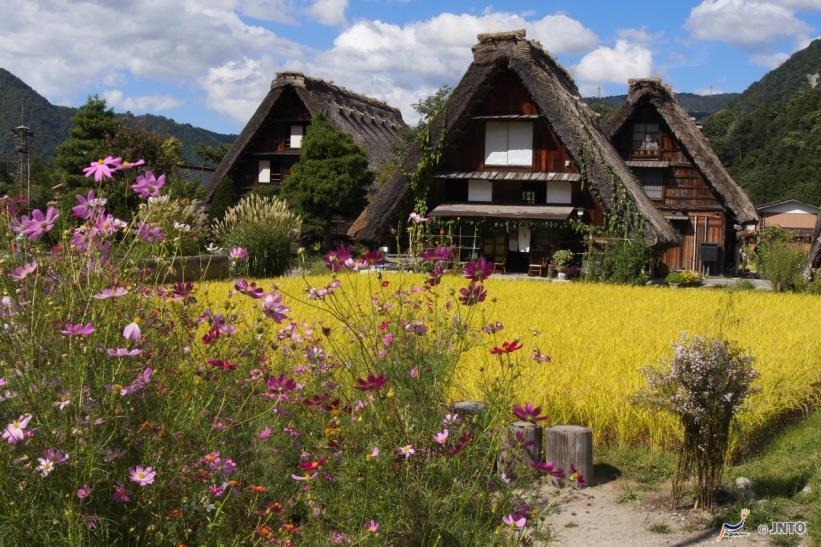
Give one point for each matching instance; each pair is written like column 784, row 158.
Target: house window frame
column 643, row 142
column 264, row 172
column 295, row 139
column 493, row 155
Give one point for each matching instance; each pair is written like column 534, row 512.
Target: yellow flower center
column 100, row 162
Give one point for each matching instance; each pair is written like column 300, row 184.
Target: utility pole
column 22, row 145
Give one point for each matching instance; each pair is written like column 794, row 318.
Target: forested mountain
column 699, row 106
column 51, row 123
column 769, row 138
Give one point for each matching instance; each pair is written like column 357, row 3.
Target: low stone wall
column 190, row 268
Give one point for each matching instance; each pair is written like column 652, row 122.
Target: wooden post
column 512, row 456
column 468, row 408
column 567, row 445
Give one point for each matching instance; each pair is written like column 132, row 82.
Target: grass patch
column 780, row 471
column 644, row 467
column 660, row 528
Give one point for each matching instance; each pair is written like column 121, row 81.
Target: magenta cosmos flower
column 416, row 218
column 280, row 384
column 238, row 254
column 547, row 468
column 514, row 520
column 406, row 451
column 16, row 430
column 83, row 492
column 339, row 258
column 39, row 223
column 478, row 270
column 441, row 438
column 472, row 294
column 371, row 383
column 142, row 475
column 249, row 289
column 78, row 329
column 576, row 476
column 528, row 413
column 88, row 205
column 125, row 164
column 150, row 233
column 371, row 527
column 435, row 254
column 121, row 494
column 273, row 308
column 24, row 271
column 147, row 185
column 123, row 352
column 103, row 169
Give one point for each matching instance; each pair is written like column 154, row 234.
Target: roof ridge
column 293, row 77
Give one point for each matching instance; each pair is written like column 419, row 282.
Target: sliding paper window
column 509, row 143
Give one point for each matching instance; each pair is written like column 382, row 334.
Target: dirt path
column 613, row 514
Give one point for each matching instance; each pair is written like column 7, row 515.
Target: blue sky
column 210, row 62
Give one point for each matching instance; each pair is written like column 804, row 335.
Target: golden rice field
column 599, row 336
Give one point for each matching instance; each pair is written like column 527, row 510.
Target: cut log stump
column 513, row 457
column 567, row 445
column 468, row 408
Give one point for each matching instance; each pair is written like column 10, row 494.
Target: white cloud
column 710, row 90
column 749, row 23
column 278, row 11
column 329, row 12
column 639, row 35
column 770, row 60
column 145, row 103
column 403, row 63
column 50, row 44
column 236, row 88
column 614, row 65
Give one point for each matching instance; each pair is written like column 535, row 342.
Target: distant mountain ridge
column 698, row 106
column 51, row 123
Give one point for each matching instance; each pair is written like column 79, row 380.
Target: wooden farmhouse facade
column 520, row 157
column 679, row 171
column 791, row 215
column 269, row 145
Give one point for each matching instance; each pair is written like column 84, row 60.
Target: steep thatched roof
column 652, row 91
column 553, row 90
column 373, row 124
column 814, row 261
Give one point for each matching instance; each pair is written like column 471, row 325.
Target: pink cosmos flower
column 577, row 477
column 121, row 494
column 123, row 352
column 387, row 339
column 61, row 405
column 265, row 433
column 39, row 223
column 83, row 492
column 142, row 475
column 416, row 218
column 540, row 357
column 528, row 413
column 507, row 347
column 305, row 477
column 88, row 205
column 106, row 225
column 238, row 254
column 371, row 527
column 24, row 271
column 273, row 308
column 102, row 169
column 414, row 373
column 514, row 520
column 435, row 254
column 406, row 451
column 139, row 383
column 16, row 430
column 478, row 270
column 45, row 466
column 249, row 289
column 147, row 185
column 132, row 331
column 150, row 234
column 441, row 438
column 78, row 329
column 339, row 258
column 222, row 364
column 130, row 165
column 112, row 292
column 374, row 453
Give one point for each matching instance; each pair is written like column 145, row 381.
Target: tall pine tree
column 330, row 178
column 92, row 126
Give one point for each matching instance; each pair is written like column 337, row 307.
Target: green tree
column 92, row 125
column 330, row 178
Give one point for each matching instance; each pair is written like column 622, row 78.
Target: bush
column 782, row 264
column 685, row 279
column 225, row 197
column 265, row 228
column 705, row 384
column 184, row 222
column 136, row 415
column 626, row 261
column 562, row 259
